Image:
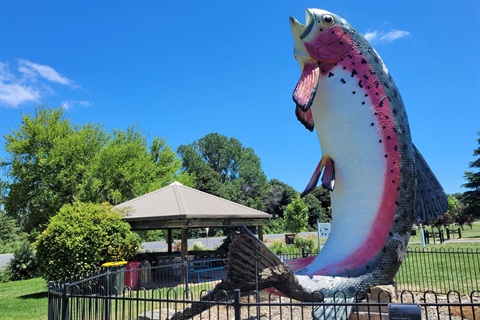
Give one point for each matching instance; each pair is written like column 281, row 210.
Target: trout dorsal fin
column 431, row 201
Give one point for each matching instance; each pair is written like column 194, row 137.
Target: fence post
column 237, row 304
column 108, row 292
column 65, row 295
column 51, row 307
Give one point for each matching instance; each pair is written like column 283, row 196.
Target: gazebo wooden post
column 260, row 232
column 169, row 241
column 184, row 252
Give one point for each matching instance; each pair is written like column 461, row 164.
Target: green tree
column 81, row 237
column 36, row 191
column 277, row 196
column 471, row 198
column 10, row 235
column 53, row 163
column 223, row 167
column 296, row 215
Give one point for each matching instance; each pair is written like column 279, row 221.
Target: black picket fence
column 159, row 289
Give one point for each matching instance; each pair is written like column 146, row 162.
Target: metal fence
column 160, row 289
column 440, row 270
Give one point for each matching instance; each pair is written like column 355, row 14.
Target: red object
column 131, row 274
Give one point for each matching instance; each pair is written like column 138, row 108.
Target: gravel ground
column 298, row 312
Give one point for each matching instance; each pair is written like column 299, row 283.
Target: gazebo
column 180, row 207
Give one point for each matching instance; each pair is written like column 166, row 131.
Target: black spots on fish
column 354, row 72
column 397, row 203
column 395, row 148
column 360, row 84
column 386, row 85
column 393, row 181
column 367, row 267
column 343, row 81
column 363, row 61
column 377, row 60
column 350, row 56
column 388, row 137
column 384, row 249
column 363, row 103
column 394, row 111
column 376, row 84
column 380, row 141
column 380, row 104
column 386, row 156
column 390, row 234
column 330, row 74
column 372, row 124
column 365, row 76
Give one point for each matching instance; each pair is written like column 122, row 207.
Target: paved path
column 5, row 258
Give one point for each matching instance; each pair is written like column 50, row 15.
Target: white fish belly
column 347, row 131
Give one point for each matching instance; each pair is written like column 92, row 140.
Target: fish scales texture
column 362, row 125
column 381, row 184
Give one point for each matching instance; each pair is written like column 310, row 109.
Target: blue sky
column 183, row 69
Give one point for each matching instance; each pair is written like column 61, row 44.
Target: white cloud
column 68, row 105
column 371, row 35
column 384, row 37
column 30, row 82
column 34, row 70
column 394, row 35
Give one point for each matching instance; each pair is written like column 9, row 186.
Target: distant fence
column 440, row 270
column 435, row 281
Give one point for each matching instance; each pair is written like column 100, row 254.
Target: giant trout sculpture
column 380, row 184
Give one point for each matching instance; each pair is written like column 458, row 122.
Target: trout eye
column 328, row 19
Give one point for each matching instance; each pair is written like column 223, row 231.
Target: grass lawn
column 24, row 300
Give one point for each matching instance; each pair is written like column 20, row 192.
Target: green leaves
column 296, row 215
column 223, row 167
column 52, row 163
column 81, row 237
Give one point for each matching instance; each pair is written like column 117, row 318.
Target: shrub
column 81, row 237
column 198, row 246
column 177, row 245
column 10, row 235
column 23, row 266
column 278, row 246
column 307, row 243
column 5, row 273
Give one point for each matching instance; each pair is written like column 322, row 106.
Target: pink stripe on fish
column 374, row 91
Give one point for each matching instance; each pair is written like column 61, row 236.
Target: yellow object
column 114, row 264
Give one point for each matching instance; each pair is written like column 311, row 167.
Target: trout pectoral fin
column 306, row 88
column 327, row 167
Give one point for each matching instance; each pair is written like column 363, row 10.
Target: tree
column 296, row 215
column 81, row 237
column 223, row 167
column 53, row 163
column 36, row 191
column 471, row 198
column 277, row 196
